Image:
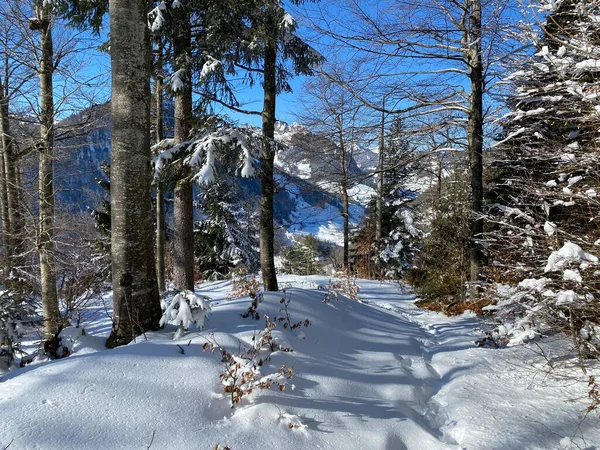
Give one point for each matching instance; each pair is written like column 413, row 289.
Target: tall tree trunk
column 135, row 290
column 183, row 204
column 439, row 180
column 4, row 217
column 475, row 143
column 267, row 159
column 379, row 200
column 345, row 202
column 50, row 310
column 160, row 199
column 13, row 184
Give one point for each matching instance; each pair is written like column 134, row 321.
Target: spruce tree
column 226, row 237
column 546, row 166
column 394, row 252
column 543, row 216
column 273, row 46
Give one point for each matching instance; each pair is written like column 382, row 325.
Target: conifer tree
column 394, row 252
column 272, row 48
column 226, row 237
column 543, row 216
column 546, row 170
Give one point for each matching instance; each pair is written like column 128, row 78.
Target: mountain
column 80, row 155
column 307, row 198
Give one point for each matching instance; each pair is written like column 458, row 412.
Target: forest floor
column 378, row 374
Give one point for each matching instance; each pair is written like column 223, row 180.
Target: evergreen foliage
column 400, row 237
column 101, row 215
column 83, row 13
column 305, row 255
column 543, row 193
column 544, row 179
column 15, row 308
column 442, row 267
column 227, row 235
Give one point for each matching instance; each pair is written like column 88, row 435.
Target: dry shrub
column 452, row 307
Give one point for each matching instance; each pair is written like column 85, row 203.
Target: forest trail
column 374, row 374
column 424, row 380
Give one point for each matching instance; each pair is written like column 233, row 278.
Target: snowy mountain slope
column 374, row 375
column 301, row 196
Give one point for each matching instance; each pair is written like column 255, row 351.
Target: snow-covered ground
column 376, row 374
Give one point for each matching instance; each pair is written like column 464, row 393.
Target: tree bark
column 4, row 217
column 267, row 159
column 160, row 200
column 135, row 289
column 345, row 201
column 475, row 143
column 379, row 200
column 183, row 204
column 52, row 320
column 13, row 184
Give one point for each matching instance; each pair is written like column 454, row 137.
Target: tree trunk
column 160, row 200
column 52, row 320
column 135, row 290
column 13, row 184
column 345, row 202
column 4, row 217
column 379, row 200
column 475, row 144
column 160, row 238
column 346, row 216
column 183, row 237
column 267, row 158
column 183, row 204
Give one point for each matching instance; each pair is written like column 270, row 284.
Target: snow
column 566, row 298
column 588, row 65
column 377, row 373
column 186, row 308
column 210, row 66
column 509, row 211
column 288, row 23
column 177, row 82
column 549, row 228
column 568, row 157
column 572, row 275
column 562, row 51
column 510, row 136
column 361, row 193
column 535, row 284
column 569, row 252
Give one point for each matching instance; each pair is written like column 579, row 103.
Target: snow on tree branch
column 185, row 309
column 202, row 152
column 156, row 18
column 177, row 82
column 210, row 66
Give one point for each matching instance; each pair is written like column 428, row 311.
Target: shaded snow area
column 372, row 374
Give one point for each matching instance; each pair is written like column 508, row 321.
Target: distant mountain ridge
column 304, row 202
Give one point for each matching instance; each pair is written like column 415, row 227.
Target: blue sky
column 251, row 98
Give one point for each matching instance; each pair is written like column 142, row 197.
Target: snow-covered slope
column 305, row 203
column 378, row 375
column 309, row 172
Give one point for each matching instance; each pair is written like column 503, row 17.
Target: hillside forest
column 151, row 150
